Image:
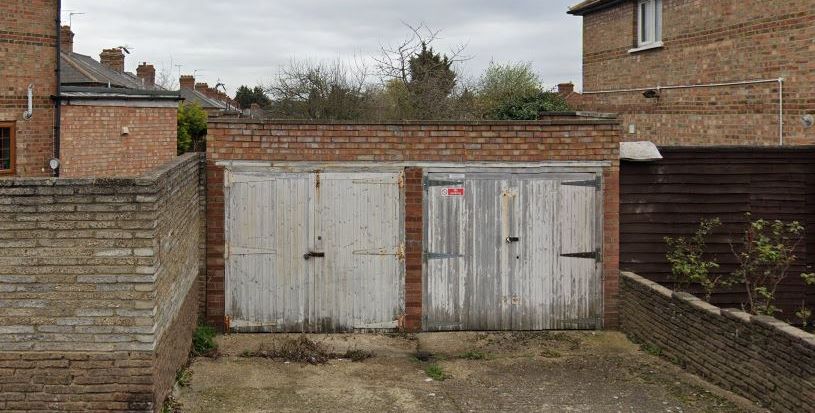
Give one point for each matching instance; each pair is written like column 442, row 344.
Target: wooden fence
column 670, row 197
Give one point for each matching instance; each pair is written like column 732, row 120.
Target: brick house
column 684, row 72
column 215, row 102
column 113, row 123
column 28, row 47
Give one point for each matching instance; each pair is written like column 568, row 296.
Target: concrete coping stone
column 697, row 303
column 736, row 315
column 667, row 293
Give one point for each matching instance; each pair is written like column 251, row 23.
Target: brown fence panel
column 670, row 197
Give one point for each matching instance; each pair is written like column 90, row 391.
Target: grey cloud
column 246, row 41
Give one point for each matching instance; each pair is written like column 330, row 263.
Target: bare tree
column 165, row 78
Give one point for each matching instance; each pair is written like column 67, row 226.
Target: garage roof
column 591, row 6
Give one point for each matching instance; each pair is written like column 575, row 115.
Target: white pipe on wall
column 30, row 112
column 780, row 81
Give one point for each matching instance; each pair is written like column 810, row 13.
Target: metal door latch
column 312, row 254
column 510, row 240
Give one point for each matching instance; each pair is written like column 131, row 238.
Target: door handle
column 510, row 240
column 312, row 254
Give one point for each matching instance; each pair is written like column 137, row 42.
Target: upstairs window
column 650, row 23
column 6, row 148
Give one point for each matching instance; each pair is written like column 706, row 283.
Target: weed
column 170, row 405
column 651, row 349
column 357, row 355
column 474, row 355
column 203, row 343
column 550, row 354
column 435, row 372
column 183, row 377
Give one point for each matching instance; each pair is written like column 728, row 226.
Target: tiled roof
column 202, row 100
column 590, row 6
column 80, row 70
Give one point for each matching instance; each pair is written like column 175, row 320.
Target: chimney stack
column 147, row 73
column 113, row 58
column 186, row 82
column 66, row 41
column 565, row 89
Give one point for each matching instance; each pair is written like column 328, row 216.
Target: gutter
column 57, row 101
column 779, row 80
column 596, row 7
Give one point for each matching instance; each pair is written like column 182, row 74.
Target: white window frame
column 649, row 25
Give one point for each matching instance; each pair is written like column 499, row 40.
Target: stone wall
column 97, row 288
column 758, row 357
column 705, row 42
column 562, row 137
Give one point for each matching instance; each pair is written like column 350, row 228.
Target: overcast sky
column 246, row 41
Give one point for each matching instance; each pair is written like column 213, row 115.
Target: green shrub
column 435, row 372
column 686, row 256
column 203, row 343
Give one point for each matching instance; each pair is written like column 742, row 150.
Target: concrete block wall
column 97, row 293
column 557, row 138
column 758, row 357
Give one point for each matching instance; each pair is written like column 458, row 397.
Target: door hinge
column 596, row 183
column 595, row 255
column 432, row 182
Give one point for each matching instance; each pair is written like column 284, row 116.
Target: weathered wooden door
column 318, row 252
column 511, row 251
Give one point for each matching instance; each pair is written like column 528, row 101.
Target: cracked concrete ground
column 512, row 372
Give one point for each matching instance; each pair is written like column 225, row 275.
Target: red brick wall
column 93, row 145
column 28, row 56
column 554, row 140
column 706, row 42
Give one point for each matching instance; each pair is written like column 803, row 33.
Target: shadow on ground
column 474, row 372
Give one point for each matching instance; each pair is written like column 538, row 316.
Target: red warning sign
column 452, row 192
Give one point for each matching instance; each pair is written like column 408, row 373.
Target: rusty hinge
column 595, row 255
column 595, row 183
column 440, row 256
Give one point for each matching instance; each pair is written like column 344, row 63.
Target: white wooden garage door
column 512, row 251
column 313, row 252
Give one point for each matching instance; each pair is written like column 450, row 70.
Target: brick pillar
column 113, row 58
column 215, row 303
column 414, row 250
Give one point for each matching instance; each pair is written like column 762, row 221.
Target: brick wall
column 97, row 294
column 28, row 56
column 92, row 143
column 558, row 139
column 758, row 357
column 706, row 42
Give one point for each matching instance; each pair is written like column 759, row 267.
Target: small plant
column 183, row 377
column 804, row 314
column 686, row 256
column 651, row 349
column 766, row 256
column 474, row 355
column 435, row 372
column 203, row 343
column 809, row 278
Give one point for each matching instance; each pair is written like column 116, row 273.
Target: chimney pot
column 113, row 58
column 66, row 41
column 147, row 73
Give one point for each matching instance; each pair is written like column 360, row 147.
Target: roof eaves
column 591, row 6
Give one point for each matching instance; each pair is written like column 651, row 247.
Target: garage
column 513, row 249
column 313, row 251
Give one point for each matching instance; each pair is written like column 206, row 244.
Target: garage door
column 512, row 251
column 314, row 252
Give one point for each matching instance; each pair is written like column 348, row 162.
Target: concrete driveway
column 482, row 372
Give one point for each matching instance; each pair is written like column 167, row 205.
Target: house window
column 6, row 148
column 650, row 23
